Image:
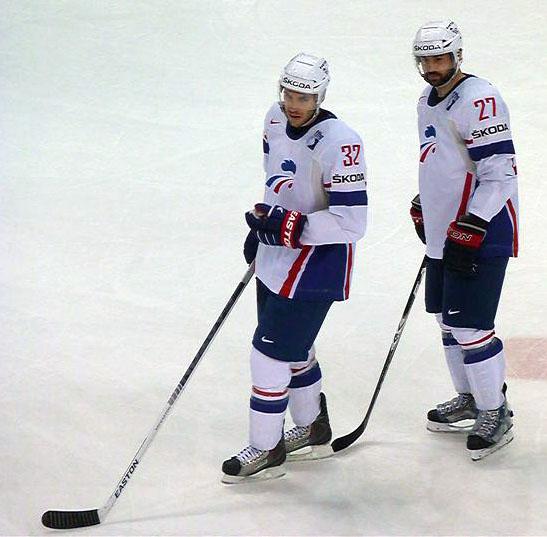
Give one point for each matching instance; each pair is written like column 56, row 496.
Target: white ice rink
column 130, row 149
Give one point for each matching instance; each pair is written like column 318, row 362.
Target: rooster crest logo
column 276, row 182
column 429, row 146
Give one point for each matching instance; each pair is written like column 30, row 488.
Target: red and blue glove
column 417, row 217
column 464, row 238
column 276, row 226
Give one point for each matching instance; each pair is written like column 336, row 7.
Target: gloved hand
column 464, row 238
column 417, row 217
column 275, row 226
column 250, row 247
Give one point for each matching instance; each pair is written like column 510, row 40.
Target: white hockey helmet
column 306, row 73
column 436, row 38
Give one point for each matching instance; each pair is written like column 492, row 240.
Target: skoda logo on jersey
column 275, row 182
column 430, row 146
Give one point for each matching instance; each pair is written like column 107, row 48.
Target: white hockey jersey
column 320, row 171
column 467, row 164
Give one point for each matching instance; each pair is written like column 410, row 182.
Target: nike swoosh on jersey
column 453, row 312
column 264, row 340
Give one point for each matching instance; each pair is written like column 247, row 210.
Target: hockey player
column 303, row 236
column 466, row 213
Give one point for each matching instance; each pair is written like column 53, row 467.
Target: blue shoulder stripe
column 497, row 148
column 358, row 197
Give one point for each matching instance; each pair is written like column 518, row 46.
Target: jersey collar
column 295, row 133
column 434, row 99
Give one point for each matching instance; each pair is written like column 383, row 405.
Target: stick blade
column 65, row 520
column 345, row 441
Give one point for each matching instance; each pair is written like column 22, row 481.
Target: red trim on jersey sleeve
column 465, row 195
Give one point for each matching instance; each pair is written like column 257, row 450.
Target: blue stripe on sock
column 306, row 379
column 483, row 353
column 269, row 407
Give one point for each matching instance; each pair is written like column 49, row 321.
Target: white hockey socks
column 304, row 390
column 269, row 399
column 485, row 368
column 455, row 361
column 484, row 363
column 454, row 358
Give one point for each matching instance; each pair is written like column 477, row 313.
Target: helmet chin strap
column 315, row 114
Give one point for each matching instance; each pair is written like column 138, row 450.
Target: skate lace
column 249, row 454
column 456, row 403
column 296, row 433
column 486, row 423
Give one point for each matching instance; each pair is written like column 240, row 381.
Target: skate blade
column 310, row 453
column 465, row 426
column 478, row 454
column 268, row 473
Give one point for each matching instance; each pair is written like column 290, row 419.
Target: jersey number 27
column 485, row 109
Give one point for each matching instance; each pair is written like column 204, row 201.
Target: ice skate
column 253, row 464
column 492, row 430
column 312, row 441
column 453, row 415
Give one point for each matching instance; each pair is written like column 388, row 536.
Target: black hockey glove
column 250, row 247
column 464, row 238
column 275, row 226
column 417, row 217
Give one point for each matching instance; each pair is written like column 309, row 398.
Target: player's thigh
column 472, row 301
column 287, row 328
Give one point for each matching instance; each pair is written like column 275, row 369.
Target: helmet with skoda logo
column 436, row 38
column 306, row 73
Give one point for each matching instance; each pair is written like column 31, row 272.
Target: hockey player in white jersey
column 303, row 236
column 467, row 215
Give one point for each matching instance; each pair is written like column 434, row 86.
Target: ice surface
column 131, row 146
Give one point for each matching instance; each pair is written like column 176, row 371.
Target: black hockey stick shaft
column 344, row 441
column 78, row 519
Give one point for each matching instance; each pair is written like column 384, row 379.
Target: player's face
column 436, row 69
column 299, row 107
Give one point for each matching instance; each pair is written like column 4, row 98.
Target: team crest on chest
column 430, row 146
column 276, row 182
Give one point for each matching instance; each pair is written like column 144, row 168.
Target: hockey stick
column 63, row 520
column 344, row 441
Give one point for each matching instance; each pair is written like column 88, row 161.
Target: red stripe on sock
column 269, row 394
column 478, row 340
